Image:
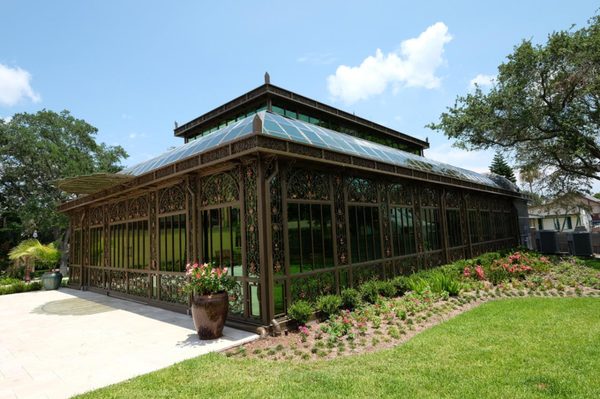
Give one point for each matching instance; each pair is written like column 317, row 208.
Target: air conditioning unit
column 582, row 244
column 548, row 241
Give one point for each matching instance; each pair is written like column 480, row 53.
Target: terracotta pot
column 209, row 313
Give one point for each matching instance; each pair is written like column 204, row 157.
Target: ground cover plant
column 382, row 314
column 525, row 348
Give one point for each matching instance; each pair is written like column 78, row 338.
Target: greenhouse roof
column 278, row 126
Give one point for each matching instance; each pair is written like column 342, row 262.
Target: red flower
column 467, row 272
column 480, row 273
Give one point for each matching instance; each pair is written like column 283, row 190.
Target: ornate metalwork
column 308, row 184
column 96, row 277
column 340, row 220
column 74, row 275
column 277, row 224
column 153, row 238
column 106, row 235
column 429, row 197
column 118, row 211
column 118, row 281
column 138, row 207
column 361, row 190
column 251, row 213
column 400, row 194
column 191, row 255
column 171, row 199
column 384, row 211
column 453, row 199
column 139, row 284
column 171, row 289
column 219, row 189
column 97, row 215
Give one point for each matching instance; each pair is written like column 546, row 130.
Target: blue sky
column 132, row 68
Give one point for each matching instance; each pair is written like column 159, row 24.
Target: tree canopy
column 501, row 168
column 543, row 110
column 35, row 151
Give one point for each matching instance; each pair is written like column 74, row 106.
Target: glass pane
column 317, row 230
column 306, row 237
column 327, row 236
column 236, row 240
column 294, row 238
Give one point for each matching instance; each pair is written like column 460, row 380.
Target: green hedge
column 20, row 286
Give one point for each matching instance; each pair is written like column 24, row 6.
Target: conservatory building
column 295, row 197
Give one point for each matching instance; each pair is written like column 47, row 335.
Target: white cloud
column 317, row 58
column 15, row 86
column 482, row 81
column 413, row 65
column 6, row 119
column 135, row 135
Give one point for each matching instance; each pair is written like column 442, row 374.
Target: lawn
column 517, row 348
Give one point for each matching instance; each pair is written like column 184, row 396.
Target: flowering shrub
column 304, row 332
column 206, row 279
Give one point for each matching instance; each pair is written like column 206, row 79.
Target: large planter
column 51, row 280
column 209, row 313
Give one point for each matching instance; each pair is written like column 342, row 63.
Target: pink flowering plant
column 207, row 279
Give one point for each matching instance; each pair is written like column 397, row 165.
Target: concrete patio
column 55, row 344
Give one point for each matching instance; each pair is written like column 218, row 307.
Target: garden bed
column 423, row 300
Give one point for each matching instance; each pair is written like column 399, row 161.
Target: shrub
column 440, row 283
column 417, row 284
column 386, row 288
column 369, row 291
column 300, row 311
column 351, row 298
column 9, row 281
column 329, row 304
column 401, row 284
column 20, row 287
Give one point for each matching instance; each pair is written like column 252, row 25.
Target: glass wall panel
column 96, row 246
column 454, row 227
column 75, row 247
column 430, row 223
column 172, row 243
column 222, row 239
column 310, row 237
column 403, row 232
column 118, row 255
column 486, row 225
column 365, row 237
column 473, row 216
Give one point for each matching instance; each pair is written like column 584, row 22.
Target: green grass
column 524, row 348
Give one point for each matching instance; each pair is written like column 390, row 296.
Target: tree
column 35, row 151
column 543, row 109
column 30, row 252
column 597, row 195
column 501, row 168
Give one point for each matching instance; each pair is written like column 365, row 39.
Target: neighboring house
column 566, row 215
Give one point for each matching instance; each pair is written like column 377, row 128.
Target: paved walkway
column 55, row 344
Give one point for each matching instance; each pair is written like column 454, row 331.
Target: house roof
column 293, row 130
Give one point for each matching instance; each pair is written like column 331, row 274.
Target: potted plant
column 208, row 286
column 28, row 252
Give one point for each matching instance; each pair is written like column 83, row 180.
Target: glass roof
column 224, row 135
column 291, row 129
column 279, row 126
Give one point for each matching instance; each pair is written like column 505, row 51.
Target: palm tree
column 28, row 252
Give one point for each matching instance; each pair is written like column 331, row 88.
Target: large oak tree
column 543, row 110
column 35, row 151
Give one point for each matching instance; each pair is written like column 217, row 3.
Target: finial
column 267, row 78
column 176, row 125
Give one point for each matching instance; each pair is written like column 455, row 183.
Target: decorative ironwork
column 340, row 220
column 138, row 207
column 400, row 194
column 384, row 211
column 97, row 215
column 96, row 277
column 276, row 224
column 191, row 254
column 251, row 213
column 308, row 184
column 118, row 281
column 418, row 227
column 453, row 199
column 106, row 234
column 153, row 238
column 74, row 275
column 171, row 199
column 139, row 284
column 118, row 211
column 433, row 259
column 218, row 189
column 429, row 197
column 361, row 190
column 171, row 289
